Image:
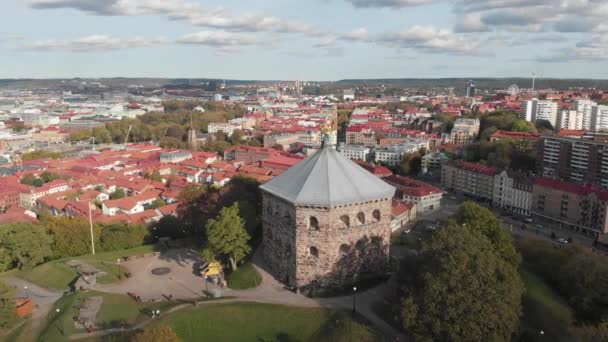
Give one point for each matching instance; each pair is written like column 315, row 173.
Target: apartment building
column 569, row 119
column 354, row 152
column 581, row 160
column 225, row 127
column 599, row 119
column 512, row 192
column 426, row 196
column 464, row 131
column 473, row 179
column 539, row 110
column 585, row 108
column 432, row 161
column 393, row 155
column 579, row 207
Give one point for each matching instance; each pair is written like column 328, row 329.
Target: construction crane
column 128, row 132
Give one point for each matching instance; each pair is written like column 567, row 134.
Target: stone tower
column 192, row 136
column 326, row 222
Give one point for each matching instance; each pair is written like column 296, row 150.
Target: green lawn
column 115, row 308
column 57, row 275
column 245, row 277
column 544, row 310
column 266, row 322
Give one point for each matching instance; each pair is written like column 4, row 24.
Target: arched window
column 345, row 219
column 376, row 215
column 314, row 252
column 344, row 249
column 361, row 217
column 313, row 223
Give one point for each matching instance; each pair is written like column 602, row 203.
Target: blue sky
column 305, row 40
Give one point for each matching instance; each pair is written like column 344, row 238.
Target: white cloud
column 430, row 39
column 389, row 3
column 93, row 43
column 594, row 49
column 182, row 10
column 218, row 39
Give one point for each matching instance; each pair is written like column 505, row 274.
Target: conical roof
column 328, row 179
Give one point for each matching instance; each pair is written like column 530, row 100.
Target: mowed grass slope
column 266, row 322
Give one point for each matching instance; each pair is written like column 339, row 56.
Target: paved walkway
column 184, row 283
column 44, row 300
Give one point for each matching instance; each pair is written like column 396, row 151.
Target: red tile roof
column 514, row 135
column 573, row 188
column 399, row 207
column 571, row 133
column 412, row 187
column 475, row 167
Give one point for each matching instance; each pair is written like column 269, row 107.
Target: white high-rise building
column 599, row 119
column 569, row 119
column 539, row 110
column 585, row 107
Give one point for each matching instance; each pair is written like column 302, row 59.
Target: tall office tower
column 470, row 91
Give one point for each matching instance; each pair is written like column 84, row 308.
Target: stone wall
column 278, row 222
column 323, row 247
column 342, row 252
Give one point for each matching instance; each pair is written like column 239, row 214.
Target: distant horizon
column 300, row 80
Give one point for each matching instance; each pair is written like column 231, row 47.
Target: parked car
column 562, row 241
column 430, row 227
column 528, row 220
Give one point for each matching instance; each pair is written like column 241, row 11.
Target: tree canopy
column 227, row 236
column 473, row 216
column 460, row 289
column 23, row 245
column 71, row 235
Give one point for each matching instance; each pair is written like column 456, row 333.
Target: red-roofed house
column 426, row 196
column 401, row 213
column 472, row 179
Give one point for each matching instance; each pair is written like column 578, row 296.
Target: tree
column 160, row 333
column 523, row 126
column 157, row 203
column 72, row 235
column 38, row 182
column 237, row 137
column 544, row 126
column 28, row 179
column 154, row 176
column 49, row 176
column 170, row 226
column 411, row 164
column 473, row 216
column 119, row 236
column 118, row 194
column 23, row 245
column 19, row 127
column 7, row 305
column 459, row 289
column 227, row 235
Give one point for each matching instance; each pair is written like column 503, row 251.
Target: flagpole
column 91, row 225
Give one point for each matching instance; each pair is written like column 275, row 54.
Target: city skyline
column 320, row 40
